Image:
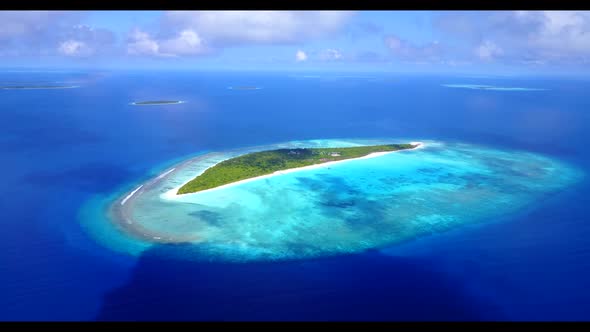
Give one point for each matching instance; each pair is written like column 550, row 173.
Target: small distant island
column 268, row 162
column 483, row 87
column 157, row 102
column 489, row 87
column 26, row 87
column 244, row 88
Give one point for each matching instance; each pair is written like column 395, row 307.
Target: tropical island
column 157, row 102
column 429, row 187
column 262, row 163
column 244, row 88
column 26, row 87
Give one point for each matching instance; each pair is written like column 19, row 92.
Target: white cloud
column 488, row 50
column 257, row 27
column 141, row 43
column 563, row 33
column 300, row 56
column 523, row 36
column 185, row 33
column 331, row 55
column 74, row 48
column 187, row 42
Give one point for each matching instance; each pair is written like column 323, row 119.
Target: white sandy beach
column 171, row 194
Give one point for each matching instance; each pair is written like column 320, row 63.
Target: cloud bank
column 230, row 28
column 193, row 33
column 34, row 33
column 406, row 50
column 522, row 36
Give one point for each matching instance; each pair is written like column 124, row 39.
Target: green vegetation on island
column 157, row 102
column 267, row 162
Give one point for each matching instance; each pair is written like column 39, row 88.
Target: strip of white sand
column 171, row 194
column 129, row 196
column 176, row 102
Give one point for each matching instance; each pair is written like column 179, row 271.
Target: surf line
column 164, row 174
column 129, row 196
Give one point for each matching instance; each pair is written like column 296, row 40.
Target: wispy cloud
column 73, row 48
column 406, row 50
column 488, row 50
column 330, row 54
column 33, row 33
column 227, row 28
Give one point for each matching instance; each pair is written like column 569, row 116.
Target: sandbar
column 157, row 102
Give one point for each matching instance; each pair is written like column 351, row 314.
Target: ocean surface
column 69, row 153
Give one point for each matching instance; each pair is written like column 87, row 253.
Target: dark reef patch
column 212, row 218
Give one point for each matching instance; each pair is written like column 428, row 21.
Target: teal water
column 343, row 208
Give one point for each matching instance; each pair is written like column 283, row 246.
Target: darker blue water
column 61, row 148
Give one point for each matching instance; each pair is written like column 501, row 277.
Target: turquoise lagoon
column 343, row 208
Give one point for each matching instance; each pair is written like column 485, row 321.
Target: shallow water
column 346, row 207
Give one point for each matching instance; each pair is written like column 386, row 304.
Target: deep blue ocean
column 64, row 147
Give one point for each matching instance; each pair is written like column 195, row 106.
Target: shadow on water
column 369, row 286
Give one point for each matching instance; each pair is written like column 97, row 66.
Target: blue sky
column 504, row 42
